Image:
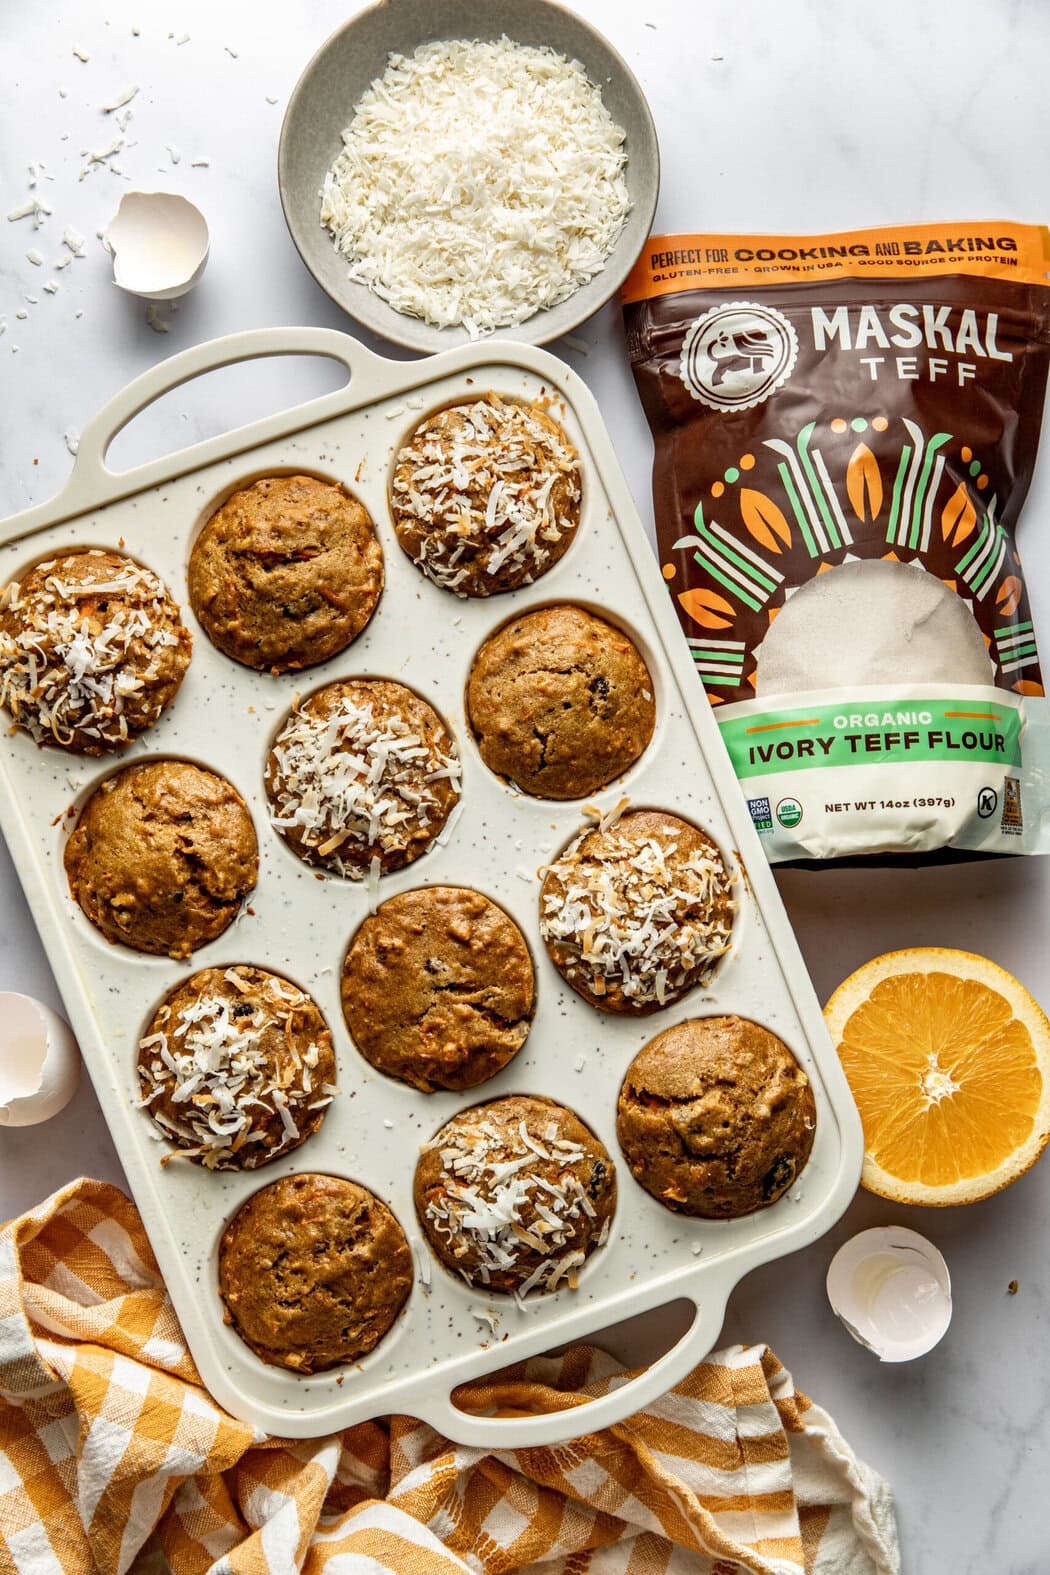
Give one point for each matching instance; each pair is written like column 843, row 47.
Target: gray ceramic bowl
column 323, row 104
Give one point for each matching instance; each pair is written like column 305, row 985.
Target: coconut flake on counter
column 124, row 97
column 35, row 209
column 499, row 155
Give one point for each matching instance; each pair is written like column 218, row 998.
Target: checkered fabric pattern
column 114, row 1459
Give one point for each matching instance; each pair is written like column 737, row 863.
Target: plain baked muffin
column 486, row 496
column 560, row 702
column 313, row 1271
column 92, row 648
column 362, row 777
column 236, row 1067
column 716, row 1117
column 515, row 1195
column 438, row 988
column 162, row 857
column 286, row 573
column 635, row 913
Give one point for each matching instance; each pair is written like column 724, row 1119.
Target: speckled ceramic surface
column 322, row 105
column 300, row 924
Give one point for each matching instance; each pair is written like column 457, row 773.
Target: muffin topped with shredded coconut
column 92, row 648
column 637, row 911
column 515, row 1195
column 362, row 777
column 486, row 496
column 236, row 1068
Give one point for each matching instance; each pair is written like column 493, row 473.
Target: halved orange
column 948, row 1058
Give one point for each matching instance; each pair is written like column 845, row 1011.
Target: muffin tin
column 300, row 922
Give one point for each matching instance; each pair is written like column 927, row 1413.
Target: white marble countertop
column 794, row 116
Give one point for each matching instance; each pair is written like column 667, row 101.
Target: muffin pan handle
column 93, row 483
column 558, row 1427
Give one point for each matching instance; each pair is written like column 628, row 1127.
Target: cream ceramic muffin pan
column 299, row 923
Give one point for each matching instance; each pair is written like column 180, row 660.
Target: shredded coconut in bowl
column 480, row 182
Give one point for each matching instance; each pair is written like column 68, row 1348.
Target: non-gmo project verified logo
column 761, row 813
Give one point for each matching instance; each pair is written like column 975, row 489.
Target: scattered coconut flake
column 95, row 158
column 21, row 314
column 485, row 1315
column 580, row 1063
column 63, row 262
column 71, row 437
column 174, row 153
column 270, row 100
column 35, row 208
column 199, row 164
column 183, row 38
column 155, row 320
column 81, row 56
column 125, row 96
column 51, row 287
column 33, row 300
column 231, row 52
column 74, row 241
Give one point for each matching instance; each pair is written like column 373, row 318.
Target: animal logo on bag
column 735, row 356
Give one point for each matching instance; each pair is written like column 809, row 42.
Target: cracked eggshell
column 159, row 243
column 39, row 1061
column 891, row 1289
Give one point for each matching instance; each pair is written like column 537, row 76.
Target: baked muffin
column 162, row 857
column 560, row 702
column 286, row 573
column 486, row 496
column 716, row 1117
column 636, row 913
column 515, row 1195
column 362, row 777
column 313, row 1270
column 438, row 988
column 236, row 1067
column 92, row 648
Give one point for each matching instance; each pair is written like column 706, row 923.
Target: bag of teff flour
column 845, row 428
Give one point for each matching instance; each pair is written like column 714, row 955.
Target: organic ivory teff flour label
column 845, row 428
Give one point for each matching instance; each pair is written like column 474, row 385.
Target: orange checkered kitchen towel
column 114, row 1459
